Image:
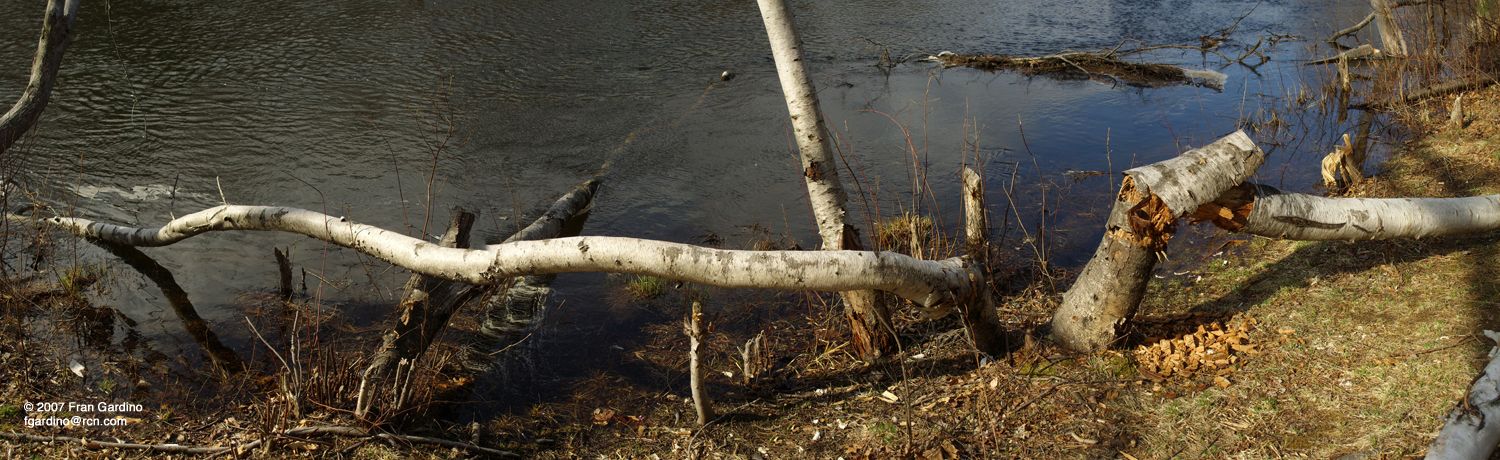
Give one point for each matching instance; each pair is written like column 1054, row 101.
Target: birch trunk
column 1473, row 428
column 57, row 34
column 1295, row 216
column 1144, row 216
column 979, row 312
column 869, row 318
column 506, row 317
column 926, row 282
column 427, row 304
column 692, row 325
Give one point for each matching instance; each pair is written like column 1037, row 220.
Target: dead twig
column 1462, row 341
column 295, row 432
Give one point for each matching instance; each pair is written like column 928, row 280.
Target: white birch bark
column 926, row 282
column 819, row 170
column 57, row 34
column 693, row 326
column 1296, row 216
column 869, row 318
column 1111, row 285
column 1472, row 429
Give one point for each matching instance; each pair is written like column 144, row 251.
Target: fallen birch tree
column 926, row 282
column 1144, row 216
column 1472, row 430
column 1207, row 185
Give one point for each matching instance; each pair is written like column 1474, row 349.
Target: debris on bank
column 1087, row 65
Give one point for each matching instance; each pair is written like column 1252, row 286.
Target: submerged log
column 1144, row 216
column 57, row 34
column 222, row 357
column 508, row 316
column 426, row 306
column 1361, row 52
column 1088, row 64
column 869, row 317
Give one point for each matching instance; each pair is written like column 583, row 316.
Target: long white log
column 1472, row 429
column 926, row 282
column 57, row 34
column 1296, row 216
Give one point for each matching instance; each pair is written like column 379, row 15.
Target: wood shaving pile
column 1209, row 351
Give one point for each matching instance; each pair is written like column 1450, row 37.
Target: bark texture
column 869, row 317
column 1144, row 216
column 926, row 282
column 692, row 325
column 1472, row 429
column 1296, row 216
column 57, row 34
column 508, row 316
column 1390, row 33
column 427, row 304
column 979, row 311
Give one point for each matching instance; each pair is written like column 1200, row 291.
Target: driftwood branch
column 1351, row 29
column 57, row 34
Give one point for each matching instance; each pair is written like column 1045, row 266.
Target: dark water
column 378, row 110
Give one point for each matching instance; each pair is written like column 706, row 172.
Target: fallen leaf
column 602, row 415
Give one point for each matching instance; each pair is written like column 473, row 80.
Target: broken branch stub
column 1144, row 216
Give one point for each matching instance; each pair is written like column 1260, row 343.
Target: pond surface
column 382, row 111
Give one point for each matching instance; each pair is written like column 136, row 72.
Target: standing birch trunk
column 869, row 318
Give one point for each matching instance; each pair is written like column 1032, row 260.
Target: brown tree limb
column 57, row 34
